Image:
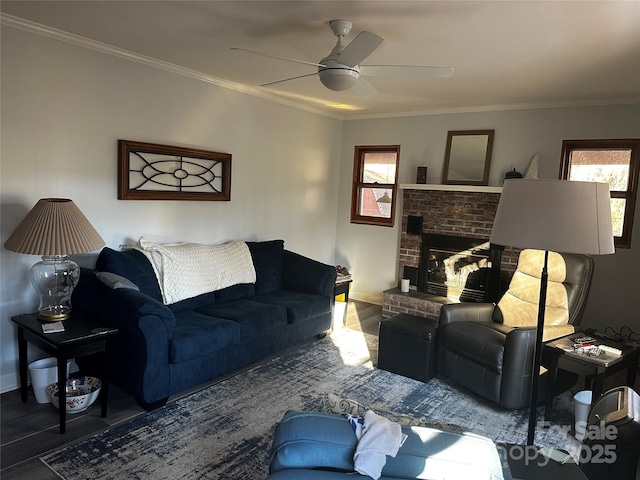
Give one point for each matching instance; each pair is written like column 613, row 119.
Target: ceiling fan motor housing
column 338, row 77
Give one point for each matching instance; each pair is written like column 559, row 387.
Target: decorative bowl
column 81, row 392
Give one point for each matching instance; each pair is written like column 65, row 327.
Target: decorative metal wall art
column 148, row 171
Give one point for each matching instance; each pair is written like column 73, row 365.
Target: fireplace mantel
column 450, row 188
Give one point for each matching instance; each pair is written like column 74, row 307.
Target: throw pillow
column 132, row 265
column 114, row 281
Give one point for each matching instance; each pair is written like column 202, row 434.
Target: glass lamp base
column 54, row 314
column 54, row 278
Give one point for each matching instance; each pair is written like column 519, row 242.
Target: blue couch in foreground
column 321, row 446
column 161, row 350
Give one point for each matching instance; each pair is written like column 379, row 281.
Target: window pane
column 617, row 215
column 609, row 166
column 375, row 202
column 379, row 167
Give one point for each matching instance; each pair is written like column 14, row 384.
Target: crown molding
column 54, row 33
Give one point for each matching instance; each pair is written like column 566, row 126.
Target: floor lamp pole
column 537, row 352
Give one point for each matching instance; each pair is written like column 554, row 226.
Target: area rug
column 225, row 431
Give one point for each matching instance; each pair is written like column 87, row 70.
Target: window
column 375, row 178
column 611, row 161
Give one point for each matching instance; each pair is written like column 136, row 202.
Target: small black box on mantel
column 421, row 176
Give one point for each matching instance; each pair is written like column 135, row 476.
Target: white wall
column 64, row 108
column 371, row 251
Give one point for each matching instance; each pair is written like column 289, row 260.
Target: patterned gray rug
column 225, row 430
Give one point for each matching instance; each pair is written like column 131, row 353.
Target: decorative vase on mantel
column 512, row 174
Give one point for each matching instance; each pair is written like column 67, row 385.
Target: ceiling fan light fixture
column 338, row 79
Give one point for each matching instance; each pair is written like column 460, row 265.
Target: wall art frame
column 149, row 171
column 467, row 158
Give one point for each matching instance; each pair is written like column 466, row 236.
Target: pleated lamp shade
column 55, row 226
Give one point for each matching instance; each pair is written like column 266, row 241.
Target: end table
column 558, row 354
column 82, row 336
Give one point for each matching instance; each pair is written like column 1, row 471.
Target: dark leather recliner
column 489, row 348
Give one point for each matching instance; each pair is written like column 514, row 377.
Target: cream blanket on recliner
column 186, row 270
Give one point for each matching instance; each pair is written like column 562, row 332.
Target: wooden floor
column 29, row 430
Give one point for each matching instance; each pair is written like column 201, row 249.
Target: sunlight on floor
column 339, row 315
column 353, row 347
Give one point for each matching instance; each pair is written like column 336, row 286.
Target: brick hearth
column 454, row 211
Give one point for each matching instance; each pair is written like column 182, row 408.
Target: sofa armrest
column 466, row 312
column 139, row 356
column 119, row 307
column 304, row 274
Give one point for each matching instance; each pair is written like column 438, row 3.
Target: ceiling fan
column 341, row 69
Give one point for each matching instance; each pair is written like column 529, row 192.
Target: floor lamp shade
column 552, row 215
column 54, row 228
column 557, row 215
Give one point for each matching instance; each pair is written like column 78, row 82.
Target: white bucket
column 582, row 406
column 43, row 373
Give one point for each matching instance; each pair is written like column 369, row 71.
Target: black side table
column 594, row 369
column 82, row 336
column 342, row 288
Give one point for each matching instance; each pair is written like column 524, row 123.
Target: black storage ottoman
column 406, row 346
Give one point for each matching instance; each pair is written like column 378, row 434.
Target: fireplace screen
column 456, row 274
column 459, row 268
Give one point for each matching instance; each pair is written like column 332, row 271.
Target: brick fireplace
column 457, row 211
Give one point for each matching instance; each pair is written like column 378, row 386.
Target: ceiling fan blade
column 364, row 88
column 288, row 79
column 406, row 71
column 253, row 52
column 360, row 48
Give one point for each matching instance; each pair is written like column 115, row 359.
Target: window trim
column 358, row 184
column 630, row 196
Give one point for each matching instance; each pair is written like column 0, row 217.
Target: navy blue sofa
column 161, row 350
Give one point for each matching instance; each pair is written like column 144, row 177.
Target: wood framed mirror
column 467, row 157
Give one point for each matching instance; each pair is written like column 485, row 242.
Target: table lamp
column 552, row 215
column 54, row 228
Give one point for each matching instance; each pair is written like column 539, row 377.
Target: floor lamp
column 552, row 215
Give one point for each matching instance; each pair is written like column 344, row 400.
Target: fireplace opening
column 459, row 268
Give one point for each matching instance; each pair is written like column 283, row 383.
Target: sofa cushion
column 253, row 317
column 235, row 292
column 197, row 334
column 132, row 265
column 268, row 258
column 193, row 302
column 300, row 306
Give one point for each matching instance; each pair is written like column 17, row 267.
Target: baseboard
column 373, row 298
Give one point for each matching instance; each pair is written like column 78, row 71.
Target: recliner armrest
column 466, row 312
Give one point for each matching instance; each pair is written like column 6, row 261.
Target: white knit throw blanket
column 186, row 270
